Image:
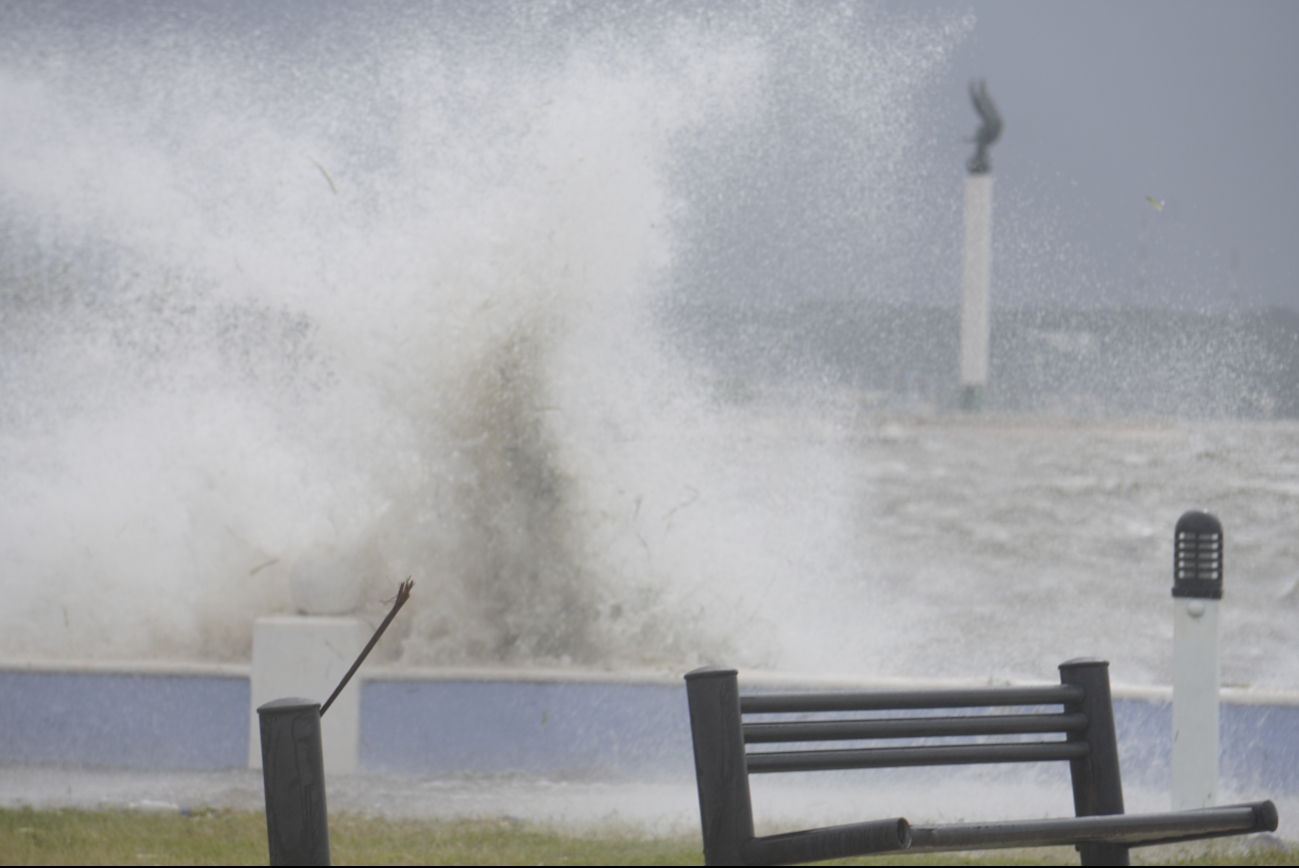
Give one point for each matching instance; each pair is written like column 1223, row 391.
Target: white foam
column 271, row 298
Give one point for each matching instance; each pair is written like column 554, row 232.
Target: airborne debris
column 332, row 188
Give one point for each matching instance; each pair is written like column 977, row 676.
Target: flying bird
column 1158, row 206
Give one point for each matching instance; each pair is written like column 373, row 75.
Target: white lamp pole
column 1197, row 590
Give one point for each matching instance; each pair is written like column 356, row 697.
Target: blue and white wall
column 433, row 722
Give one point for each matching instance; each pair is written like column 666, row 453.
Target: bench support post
column 1097, row 784
column 715, row 724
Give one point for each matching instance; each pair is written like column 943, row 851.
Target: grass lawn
column 69, row 837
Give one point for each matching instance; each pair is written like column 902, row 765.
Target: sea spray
column 298, row 283
column 417, row 291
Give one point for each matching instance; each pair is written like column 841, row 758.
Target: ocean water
column 1040, row 529
column 414, row 293
column 999, row 546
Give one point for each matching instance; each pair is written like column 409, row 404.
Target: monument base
column 971, row 398
column 307, row 655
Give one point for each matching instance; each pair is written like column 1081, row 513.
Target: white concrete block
column 306, row 656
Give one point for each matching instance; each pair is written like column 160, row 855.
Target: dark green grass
column 68, row 837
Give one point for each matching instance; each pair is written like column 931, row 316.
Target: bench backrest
column 1079, row 708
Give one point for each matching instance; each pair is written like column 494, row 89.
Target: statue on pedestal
column 980, row 163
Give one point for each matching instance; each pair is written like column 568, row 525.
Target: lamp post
column 1197, row 590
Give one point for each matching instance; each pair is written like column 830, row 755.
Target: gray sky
column 1194, row 104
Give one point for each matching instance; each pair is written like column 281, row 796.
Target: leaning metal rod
column 403, row 594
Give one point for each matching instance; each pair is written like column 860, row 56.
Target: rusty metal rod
column 403, row 594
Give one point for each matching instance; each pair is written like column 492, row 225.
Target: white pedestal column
column 976, row 272
column 306, row 656
column 1195, row 702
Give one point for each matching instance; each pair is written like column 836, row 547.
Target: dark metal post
column 724, row 808
column 1097, row 784
column 293, row 772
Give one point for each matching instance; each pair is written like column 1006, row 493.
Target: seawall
column 542, row 722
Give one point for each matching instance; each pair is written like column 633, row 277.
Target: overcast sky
column 1193, row 104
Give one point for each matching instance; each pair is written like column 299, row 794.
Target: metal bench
column 1100, row 830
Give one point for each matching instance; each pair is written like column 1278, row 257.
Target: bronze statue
column 980, row 164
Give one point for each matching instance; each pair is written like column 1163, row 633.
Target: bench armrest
column 832, row 842
column 1133, row 830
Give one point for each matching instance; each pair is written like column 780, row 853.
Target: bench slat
column 913, row 727
column 887, row 700
column 886, row 757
